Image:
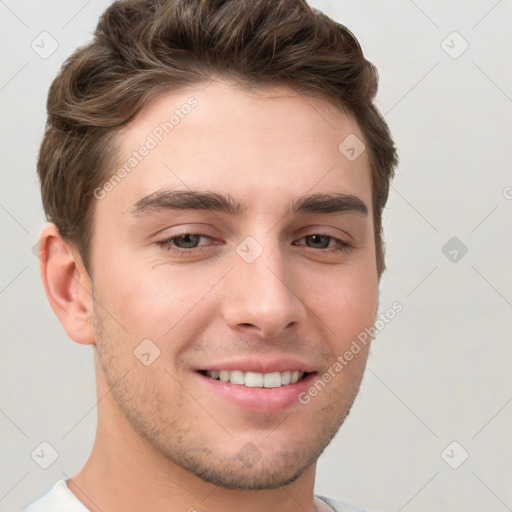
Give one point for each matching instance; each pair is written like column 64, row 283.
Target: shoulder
column 58, row 499
column 337, row 506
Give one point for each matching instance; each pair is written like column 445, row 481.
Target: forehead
column 270, row 143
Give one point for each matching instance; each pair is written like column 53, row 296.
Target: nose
column 260, row 296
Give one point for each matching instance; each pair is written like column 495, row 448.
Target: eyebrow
column 212, row 201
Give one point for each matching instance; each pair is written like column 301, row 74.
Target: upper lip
column 276, row 364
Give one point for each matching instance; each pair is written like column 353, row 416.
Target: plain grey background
column 431, row 427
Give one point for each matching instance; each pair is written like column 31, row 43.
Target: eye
column 183, row 243
column 325, row 242
column 190, row 243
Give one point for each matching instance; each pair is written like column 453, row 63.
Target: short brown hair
column 142, row 48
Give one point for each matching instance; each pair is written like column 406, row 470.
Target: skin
column 165, row 440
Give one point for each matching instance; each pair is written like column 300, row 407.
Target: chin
column 260, row 475
column 263, row 465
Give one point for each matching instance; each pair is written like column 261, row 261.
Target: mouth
column 256, row 379
column 267, row 392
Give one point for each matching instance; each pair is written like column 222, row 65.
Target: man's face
column 256, row 283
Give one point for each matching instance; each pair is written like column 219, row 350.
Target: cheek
column 156, row 300
column 347, row 304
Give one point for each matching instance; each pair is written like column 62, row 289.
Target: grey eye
column 318, row 241
column 187, row 241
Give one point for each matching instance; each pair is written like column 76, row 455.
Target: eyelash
column 167, row 244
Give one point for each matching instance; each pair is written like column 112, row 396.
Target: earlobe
column 67, row 285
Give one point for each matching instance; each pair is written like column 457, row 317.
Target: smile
column 256, row 379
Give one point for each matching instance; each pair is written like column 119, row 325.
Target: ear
column 67, row 285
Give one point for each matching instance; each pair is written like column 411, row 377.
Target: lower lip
column 266, row 400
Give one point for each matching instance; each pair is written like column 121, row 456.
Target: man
column 214, row 174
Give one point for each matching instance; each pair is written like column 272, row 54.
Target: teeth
column 237, row 377
column 272, row 380
column 255, row 379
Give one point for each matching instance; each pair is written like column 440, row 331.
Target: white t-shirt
column 61, row 499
